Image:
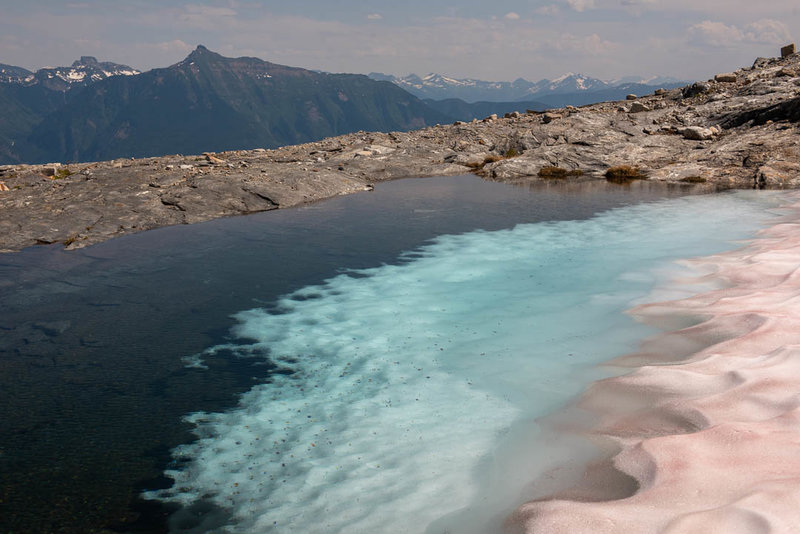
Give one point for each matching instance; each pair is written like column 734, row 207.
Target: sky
column 497, row 40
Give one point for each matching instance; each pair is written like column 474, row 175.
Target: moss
column 62, row 172
column 553, row 172
column 624, row 174
column 511, row 153
column 694, row 180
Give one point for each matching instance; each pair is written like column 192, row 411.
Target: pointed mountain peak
column 202, row 51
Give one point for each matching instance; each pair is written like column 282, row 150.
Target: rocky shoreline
column 739, row 130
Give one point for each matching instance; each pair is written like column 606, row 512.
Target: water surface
column 393, row 349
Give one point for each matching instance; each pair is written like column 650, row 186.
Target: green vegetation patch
column 62, row 172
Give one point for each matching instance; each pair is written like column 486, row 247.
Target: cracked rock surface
column 739, row 130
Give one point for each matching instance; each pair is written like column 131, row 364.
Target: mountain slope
column 212, row 103
column 21, row 109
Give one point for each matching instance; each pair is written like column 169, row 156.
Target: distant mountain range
column 206, row 102
column 84, row 71
column 95, row 110
column 547, row 92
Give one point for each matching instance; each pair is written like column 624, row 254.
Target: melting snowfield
column 711, row 435
column 408, row 394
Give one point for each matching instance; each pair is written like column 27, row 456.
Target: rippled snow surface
column 404, row 387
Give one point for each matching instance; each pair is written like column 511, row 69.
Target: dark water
column 92, row 382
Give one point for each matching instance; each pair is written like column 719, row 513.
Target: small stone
column 728, row 77
column 660, row 92
column 186, row 167
column 3, row 187
column 638, row 107
column 788, row 50
column 631, row 97
column 490, row 118
column 169, row 167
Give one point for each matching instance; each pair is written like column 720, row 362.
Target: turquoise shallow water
column 403, row 397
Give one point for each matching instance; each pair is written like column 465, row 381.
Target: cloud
column 590, row 45
column 548, row 10
column 580, row 5
column 719, row 34
column 511, row 16
column 199, row 16
column 374, row 16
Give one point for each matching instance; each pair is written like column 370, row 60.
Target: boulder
column 660, row 92
column 695, row 89
column 788, row 50
column 727, row 77
column 697, row 133
column 631, row 97
column 3, row 187
column 550, row 117
column 638, row 107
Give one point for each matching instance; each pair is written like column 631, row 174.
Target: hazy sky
column 492, row 40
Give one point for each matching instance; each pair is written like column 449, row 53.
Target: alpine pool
column 374, row 363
